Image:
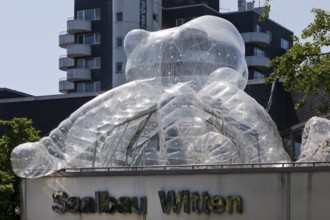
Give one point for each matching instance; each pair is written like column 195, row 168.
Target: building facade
column 95, row 59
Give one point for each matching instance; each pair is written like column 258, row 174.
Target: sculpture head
column 199, row 48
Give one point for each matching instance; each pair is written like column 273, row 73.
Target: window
column 89, row 14
column 284, row 44
column 119, row 16
column 119, row 67
column 292, row 144
column 270, row 35
column 258, row 52
column 256, row 75
column 258, row 28
column 181, row 21
column 155, row 17
column 97, row 38
column 89, row 87
column 119, row 41
column 90, row 63
column 297, row 137
column 97, row 14
column 89, row 38
column 287, row 143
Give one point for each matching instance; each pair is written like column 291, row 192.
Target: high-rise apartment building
column 95, row 59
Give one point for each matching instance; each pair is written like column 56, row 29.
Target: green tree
column 266, row 9
column 305, row 68
column 15, row 132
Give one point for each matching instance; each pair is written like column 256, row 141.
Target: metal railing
column 198, row 167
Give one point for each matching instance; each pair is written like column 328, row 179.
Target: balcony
column 78, row 50
column 65, row 39
column 75, row 74
column 75, row 26
column 65, row 86
column 258, row 38
column 65, row 63
column 259, row 62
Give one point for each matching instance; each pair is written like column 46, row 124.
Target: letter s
column 60, row 198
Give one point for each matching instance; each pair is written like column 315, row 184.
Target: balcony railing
column 65, row 39
column 78, row 50
column 260, row 62
column 75, row 26
column 258, row 38
column 65, row 86
column 76, row 74
column 65, row 63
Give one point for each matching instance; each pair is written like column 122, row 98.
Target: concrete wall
column 276, row 194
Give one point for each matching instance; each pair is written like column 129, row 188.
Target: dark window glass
column 80, row 87
column 119, row 67
column 80, row 64
column 97, row 38
column 89, row 39
column 89, row 87
column 155, row 17
column 119, row 16
column 97, row 62
column 80, row 39
column 89, row 14
column 287, row 143
column 80, row 15
column 297, row 144
column 119, row 41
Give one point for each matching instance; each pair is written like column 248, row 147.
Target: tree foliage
column 15, row 132
column 266, row 9
column 305, row 68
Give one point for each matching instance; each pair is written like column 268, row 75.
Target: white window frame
column 81, row 87
column 81, row 14
column 95, row 63
column 96, row 38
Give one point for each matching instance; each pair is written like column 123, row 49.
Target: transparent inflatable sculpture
column 315, row 146
column 184, row 104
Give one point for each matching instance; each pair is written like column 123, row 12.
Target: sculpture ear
column 192, row 39
column 134, row 38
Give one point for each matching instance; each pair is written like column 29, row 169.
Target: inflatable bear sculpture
column 184, row 104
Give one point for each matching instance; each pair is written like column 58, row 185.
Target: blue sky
column 30, row 29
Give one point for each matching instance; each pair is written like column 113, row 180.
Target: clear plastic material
column 315, row 146
column 185, row 104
